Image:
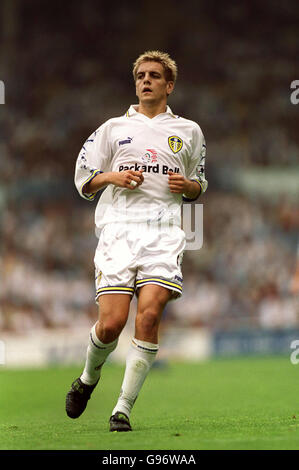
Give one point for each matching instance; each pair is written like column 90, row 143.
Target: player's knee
column 109, row 329
column 147, row 320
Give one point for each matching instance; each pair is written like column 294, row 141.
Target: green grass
column 249, row 403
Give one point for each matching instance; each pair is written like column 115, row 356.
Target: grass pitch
column 248, row 403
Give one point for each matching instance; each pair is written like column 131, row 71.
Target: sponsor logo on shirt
column 150, row 168
column 150, row 156
column 175, row 143
column 150, row 164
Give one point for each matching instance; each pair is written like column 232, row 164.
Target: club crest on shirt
column 175, row 143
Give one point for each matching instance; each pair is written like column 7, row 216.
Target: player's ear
column 169, row 87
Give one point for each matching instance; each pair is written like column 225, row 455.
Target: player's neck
column 151, row 109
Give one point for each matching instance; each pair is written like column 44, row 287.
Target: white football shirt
column 134, row 141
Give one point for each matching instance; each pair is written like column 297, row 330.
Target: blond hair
column 169, row 65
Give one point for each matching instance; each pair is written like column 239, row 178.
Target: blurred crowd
column 237, row 90
column 244, row 275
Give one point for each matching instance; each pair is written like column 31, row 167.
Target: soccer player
column 146, row 163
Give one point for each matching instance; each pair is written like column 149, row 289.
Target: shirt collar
column 133, row 110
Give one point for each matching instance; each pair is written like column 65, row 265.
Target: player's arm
column 196, row 168
column 92, row 161
column 123, row 179
column 179, row 184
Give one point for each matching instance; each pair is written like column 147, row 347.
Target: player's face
column 151, row 84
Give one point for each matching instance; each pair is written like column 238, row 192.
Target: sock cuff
column 145, row 346
column 98, row 343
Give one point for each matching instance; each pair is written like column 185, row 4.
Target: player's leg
column 143, row 350
column 113, row 315
column 103, row 339
column 151, row 303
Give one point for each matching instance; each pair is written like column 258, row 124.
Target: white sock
column 96, row 355
column 139, row 361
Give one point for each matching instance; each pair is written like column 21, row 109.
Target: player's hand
column 177, row 183
column 123, row 179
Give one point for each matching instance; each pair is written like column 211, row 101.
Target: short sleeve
column 93, row 158
column 196, row 168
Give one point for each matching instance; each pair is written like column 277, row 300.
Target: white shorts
column 129, row 257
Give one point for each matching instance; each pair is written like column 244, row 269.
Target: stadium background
column 66, row 67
